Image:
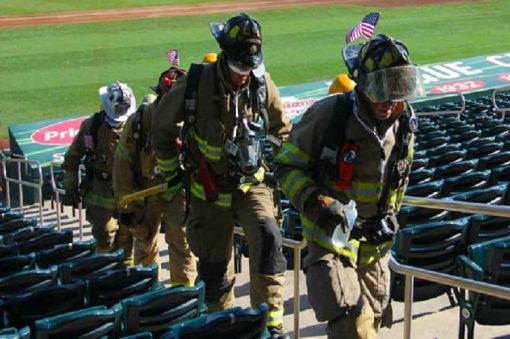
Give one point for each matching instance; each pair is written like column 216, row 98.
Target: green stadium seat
column 494, row 195
column 156, row 310
column 91, row 266
column 16, row 263
column 430, row 189
column 455, row 169
column 432, row 246
column 7, row 214
column 94, row 322
column 421, row 175
column 488, row 262
column 419, row 163
column 46, row 241
column 495, row 160
column 23, row 310
column 8, row 250
column 25, row 233
column 141, row 335
column 28, row 280
column 229, row 324
column 484, row 150
column 443, row 149
column 483, row 228
column 412, row 215
column 112, row 286
column 14, row 333
column 447, row 158
column 16, row 224
column 500, row 175
column 466, row 182
column 466, row 136
column 65, row 253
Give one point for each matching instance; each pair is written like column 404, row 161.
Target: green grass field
column 12, row 7
column 55, row 71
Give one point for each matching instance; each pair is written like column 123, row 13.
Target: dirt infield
column 197, row 9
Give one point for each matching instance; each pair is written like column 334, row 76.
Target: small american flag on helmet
column 173, row 57
column 364, row 28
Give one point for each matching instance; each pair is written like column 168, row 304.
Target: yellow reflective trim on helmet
column 233, row 31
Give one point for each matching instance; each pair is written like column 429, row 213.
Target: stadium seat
column 141, row 335
column 487, row 262
column 443, row 149
column 461, row 128
column 8, row 250
column 495, row 160
column 156, row 310
column 7, row 214
column 436, row 142
column 500, row 175
column 455, row 169
column 112, row 286
column 466, row 137
column 23, row 310
column 65, row 253
column 479, row 142
column 16, row 263
column 447, row 158
column 229, row 324
column 14, row 333
column 94, row 322
column 28, row 280
column 91, row 266
column 499, row 130
column 418, row 164
column 433, row 246
column 483, row 228
column 413, row 215
column 25, row 233
column 484, row 150
column 430, row 189
column 466, row 182
column 16, row 224
column 421, row 175
column 46, row 241
column 494, row 195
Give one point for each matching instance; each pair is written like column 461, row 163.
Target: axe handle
column 129, row 198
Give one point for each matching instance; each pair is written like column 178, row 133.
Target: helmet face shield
column 118, row 101
column 394, row 84
column 238, row 67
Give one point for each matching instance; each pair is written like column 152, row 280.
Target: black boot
column 276, row 332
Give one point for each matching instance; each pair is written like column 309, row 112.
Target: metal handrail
column 38, row 186
column 496, row 107
column 458, row 206
column 446, row 279
column 58, row 191
column 297, row 246
column 457, row 112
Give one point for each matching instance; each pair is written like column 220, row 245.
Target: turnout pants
column 352, row 299
column 156, row 213
column 104, row 227
column 210, row 234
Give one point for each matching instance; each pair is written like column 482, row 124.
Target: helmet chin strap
column 111, row 122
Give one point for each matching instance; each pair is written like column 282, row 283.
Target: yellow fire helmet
column 210, row 58
column 341, row 84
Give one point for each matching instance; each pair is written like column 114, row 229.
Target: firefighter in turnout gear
column 135, row 169
column 225, row 106
column 96, row 142
column 356, row 146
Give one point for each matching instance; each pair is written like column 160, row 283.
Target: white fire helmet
column 118, row 101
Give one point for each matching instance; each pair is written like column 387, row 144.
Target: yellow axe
column 129, row 198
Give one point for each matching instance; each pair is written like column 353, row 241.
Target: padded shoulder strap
column 190, row 94
column 94, row 128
